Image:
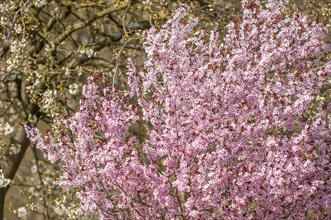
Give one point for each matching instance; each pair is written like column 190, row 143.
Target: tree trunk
column 15, row 161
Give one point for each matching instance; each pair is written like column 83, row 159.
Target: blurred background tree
column 47, row 50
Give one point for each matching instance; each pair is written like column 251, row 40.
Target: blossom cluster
column 4, row 182
column 6, row 129
column 232, row 131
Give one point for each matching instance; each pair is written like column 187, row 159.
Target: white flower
column 40, row 3
column 14, row 149
column 32, row 118
column 73, row 89
column 34, row 169
column 6, row 129
column 89, row 52
column 3, row 181
column 18, row 28
column 67, row 71
column 22, row 212
column 48, row 99
column 59, row 210
column 33, row 191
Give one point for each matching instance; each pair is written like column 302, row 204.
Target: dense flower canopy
column 236, row 130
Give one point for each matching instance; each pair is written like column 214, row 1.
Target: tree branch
column 80, row 25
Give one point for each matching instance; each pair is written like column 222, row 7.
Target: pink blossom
column 231, row 137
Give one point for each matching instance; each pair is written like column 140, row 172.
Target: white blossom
column 22, row 212
column 34, row 169
column 14, row 149
column 40, row 3
column 6, row 129
column 3, row 181
column 73, row 89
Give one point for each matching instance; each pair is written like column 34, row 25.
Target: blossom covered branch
column 237, row 129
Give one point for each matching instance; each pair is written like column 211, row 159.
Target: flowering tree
column 232, row 130
column 47, row 50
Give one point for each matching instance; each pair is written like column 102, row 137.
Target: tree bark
column 20, row 138
column 15, row 160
